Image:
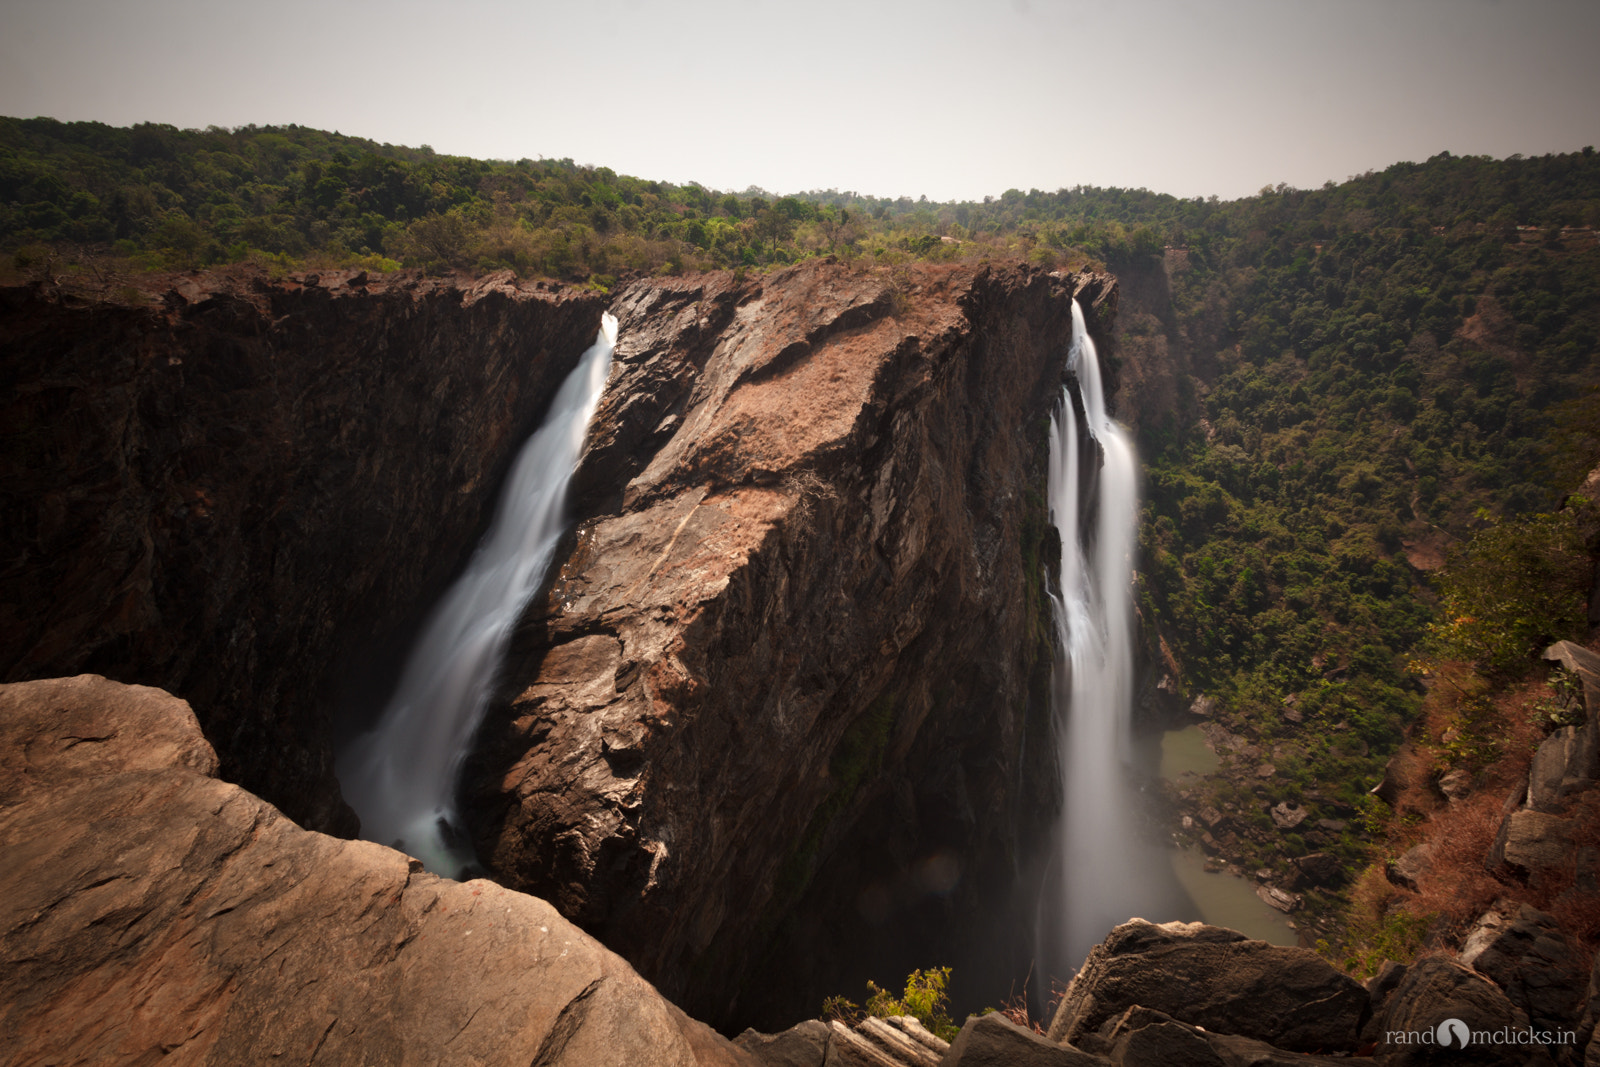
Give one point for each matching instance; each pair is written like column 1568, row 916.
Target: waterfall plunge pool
column 1221, row 898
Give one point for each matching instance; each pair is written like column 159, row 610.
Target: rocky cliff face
column 233, row 493
column 783, row 710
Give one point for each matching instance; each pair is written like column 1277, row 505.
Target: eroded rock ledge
column 148, row 910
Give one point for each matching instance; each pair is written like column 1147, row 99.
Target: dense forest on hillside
column 1368, row 374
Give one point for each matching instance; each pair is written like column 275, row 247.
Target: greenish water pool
column 1186, row 750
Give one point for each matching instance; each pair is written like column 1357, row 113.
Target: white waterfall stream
column 1102, row 874
column 402, row 776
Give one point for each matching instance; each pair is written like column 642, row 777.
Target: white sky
column 954, row 99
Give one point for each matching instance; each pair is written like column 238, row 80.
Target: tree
column 774, row 226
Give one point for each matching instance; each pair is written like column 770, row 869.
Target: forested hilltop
column 1365, row 377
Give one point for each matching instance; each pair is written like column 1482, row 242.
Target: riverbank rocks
column 149, row 910
column 1217, row 979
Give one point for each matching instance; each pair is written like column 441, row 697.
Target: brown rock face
column 787, row 695
column 148, row 909
column 229, row 495
column 783, row 710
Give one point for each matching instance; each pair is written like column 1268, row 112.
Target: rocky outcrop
column 897, row 1041
column 148, row 909
column 1217, row 979
column 1201, row 996
column 783, row 707
column 1531, row 958
column 1435, row 990
column 238, row 490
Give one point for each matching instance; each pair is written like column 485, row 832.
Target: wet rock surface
column 772, row 715
column 234, row 491
column 148, row 909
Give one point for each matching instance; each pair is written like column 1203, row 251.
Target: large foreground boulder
column 1435, row 992
column 148, row 909
column 1218, row 979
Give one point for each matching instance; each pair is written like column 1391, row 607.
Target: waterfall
column 1101, row 872
column 402, row 776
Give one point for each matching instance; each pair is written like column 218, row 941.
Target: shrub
column 1513, row 589
column 924, row 999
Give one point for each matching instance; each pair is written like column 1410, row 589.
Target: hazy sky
column 947, row 98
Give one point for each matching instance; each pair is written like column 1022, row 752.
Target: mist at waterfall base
column 1102, row 870
column 402, row 776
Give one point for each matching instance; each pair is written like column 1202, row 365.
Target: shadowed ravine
column 403, row 775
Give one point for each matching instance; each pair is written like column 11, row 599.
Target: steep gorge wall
column 779, row 724
column 232, row 493
column 783, row 711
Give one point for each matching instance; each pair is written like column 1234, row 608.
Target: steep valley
column 777, row 726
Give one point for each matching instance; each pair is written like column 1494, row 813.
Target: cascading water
column 401, row 777
column 1102, row 874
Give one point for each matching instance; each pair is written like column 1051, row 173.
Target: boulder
column 1320, row 868
column 1455, row 784
column 148, row 908
column 1236, row 1051
column 1394, row 779
column 1584, row 761
column 1167, row 1044
column 1533, row 961
column 1286, row 816
column 802, row 1045
column 1532, row 842
column 1274, row 897
column 1410, row 866
column 1434, row 990
column 992, row 1040
column 1552, row 775
column 1217, row 979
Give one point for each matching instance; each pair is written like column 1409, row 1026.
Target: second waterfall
column 402, row 776
column 1101, row 873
